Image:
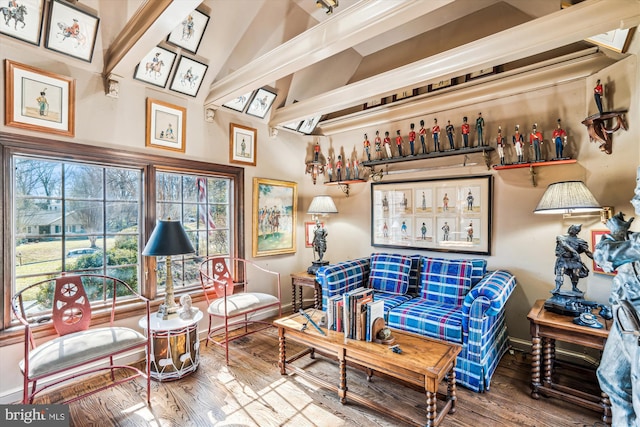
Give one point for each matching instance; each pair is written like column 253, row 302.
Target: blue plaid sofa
column 453, row 300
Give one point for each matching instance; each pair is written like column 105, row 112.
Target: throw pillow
column 445, row 281
column 390, row 273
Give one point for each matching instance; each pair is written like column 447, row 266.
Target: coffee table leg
column 451, row 390
column 431, row 408
column 282, row 351
column 293, row 297
column 342, row 389
column 536, row 352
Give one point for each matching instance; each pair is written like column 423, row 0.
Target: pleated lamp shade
column 567, row 197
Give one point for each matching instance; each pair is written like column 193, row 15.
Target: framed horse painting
column 261, row 103
column 71, row 30
column 23, row 20
column 188, row 76
column 275, row 204
column 188, row 34
column 155, row 67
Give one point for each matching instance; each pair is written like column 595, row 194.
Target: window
column 74, row 208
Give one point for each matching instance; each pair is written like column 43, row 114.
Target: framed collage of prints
column 445, row 214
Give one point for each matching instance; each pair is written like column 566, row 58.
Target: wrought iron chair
column 68, row 301
column 235, row 290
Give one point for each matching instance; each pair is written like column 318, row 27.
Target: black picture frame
column 440, row 214
column 182, row 83
column 71, row 31
column 261, row 103
column 181, row 37
column 29, row 28
column 160, row 77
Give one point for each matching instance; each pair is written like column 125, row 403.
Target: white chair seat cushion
column 239, row 303
column 73, row 349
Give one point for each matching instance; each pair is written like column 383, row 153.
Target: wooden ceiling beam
column 343, row 30
column 536, row 36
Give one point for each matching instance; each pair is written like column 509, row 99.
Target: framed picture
column 308, row 125
column 439, row 85
column 481, row 73
column 155, row 67
column 188, row 34
column 444, row 214
column 39, row 100
column 71, row 31
column 25, row 22
column 188, row 76
column 243, row 143
column 166, row 125
column 596, row 236
column 617, row 40
column 309, row 226
column 239, row 103
column 274, row 217
column 292, row 125
column 261, row 103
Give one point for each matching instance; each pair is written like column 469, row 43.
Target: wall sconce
column 320, row 205
column 167, row 239
column 572, row 199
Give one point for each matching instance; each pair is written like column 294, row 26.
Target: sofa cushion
column 478, row 270
column 445, row 281
column 390, row 300
column 390, row 273
column 440, row 321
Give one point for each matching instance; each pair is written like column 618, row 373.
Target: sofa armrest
column 494, row 288
column 336, row 279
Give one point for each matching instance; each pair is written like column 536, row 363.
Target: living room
column 529, row 81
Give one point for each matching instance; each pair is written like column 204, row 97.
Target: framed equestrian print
column 274, row 217
column 188, row 76
column 155, row 67
column 39, row 100
column 188, row 34
column 23, row 20
column 71, row 31
column 239, row 103
column 166, row 125
column 261, row 103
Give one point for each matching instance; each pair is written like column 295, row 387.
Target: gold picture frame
column 243, row 143
column 275, row 206
column 166, row 126
column 39, row 100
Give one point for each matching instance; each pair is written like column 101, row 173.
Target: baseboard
column 524, row 346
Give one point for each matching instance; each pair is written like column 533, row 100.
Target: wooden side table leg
column 293, row 297
column 451, row 390
column 431, row 409
column 535, row 366
column 606, row 407
column 548, row 358
column 342, row 389
column 282, row 347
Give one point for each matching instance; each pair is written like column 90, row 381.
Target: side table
column 546, row 328
column 298, row 282
column 175, row 349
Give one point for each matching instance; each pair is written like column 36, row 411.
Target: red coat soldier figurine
column 465, row 129
column 435, row 132
column 500, row 145
column 518, row 144
column 560, row 138
column 423, row 135
column 387, row 144
column 412, row 137
column 535, row 140
column 399, row 142
column 367, row 146
column 597, row 95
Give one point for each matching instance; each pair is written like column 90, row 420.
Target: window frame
column 17, row 144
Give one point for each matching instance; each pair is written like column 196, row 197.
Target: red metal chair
column 78, row 348
column 236, row 292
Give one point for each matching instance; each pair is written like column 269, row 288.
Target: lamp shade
column 168, row 238
column 322, row 205
column 567, row 197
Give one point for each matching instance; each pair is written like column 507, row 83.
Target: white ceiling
column 365, row 49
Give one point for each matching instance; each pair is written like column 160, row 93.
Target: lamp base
column 168, row 312
column 315, row 265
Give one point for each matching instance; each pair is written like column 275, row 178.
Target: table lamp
column 320, row 205
column 167, row 239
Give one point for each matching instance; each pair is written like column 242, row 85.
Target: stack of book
column 354, row 313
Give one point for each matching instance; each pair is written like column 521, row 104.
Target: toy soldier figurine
column 387, row 144
column 367, row 146
column 378, row 144
column 316, row 152
column 435, row 132
column 518, row 144
column 330, row 169
column 535, row 141
column 465, row 128
column 560, row 138
column 479, row 129
column 412, row 137
column 598, row 92
column 568, row 261
column 449, row 130
column 339, row 169
column 399, row 142
column 500, row 145
column 423, row 135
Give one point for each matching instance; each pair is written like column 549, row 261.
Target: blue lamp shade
column 168, row 238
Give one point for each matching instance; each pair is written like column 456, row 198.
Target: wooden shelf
column 432, row 155
column 344, row 185
column 532, row 165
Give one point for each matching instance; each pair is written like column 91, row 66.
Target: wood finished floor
column 251, row 392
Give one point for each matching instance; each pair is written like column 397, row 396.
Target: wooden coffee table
column 423, row 362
